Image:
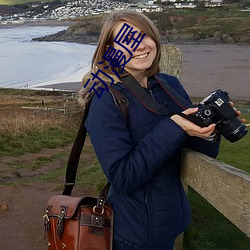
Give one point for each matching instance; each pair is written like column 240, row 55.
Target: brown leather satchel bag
column 82, row 223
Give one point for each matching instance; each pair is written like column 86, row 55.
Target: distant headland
column 198, row 21
column 210, row 27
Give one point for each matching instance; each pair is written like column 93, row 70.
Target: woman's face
column 143, row 56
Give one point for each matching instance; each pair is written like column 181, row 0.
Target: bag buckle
column 46, row 221
column 59, row 224
column 96, row 221
column 95, row 212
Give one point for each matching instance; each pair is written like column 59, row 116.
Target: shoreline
column 48, row 23
column 61, row 86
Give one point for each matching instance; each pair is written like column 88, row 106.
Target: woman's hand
column 190, row 128
column 238, row 113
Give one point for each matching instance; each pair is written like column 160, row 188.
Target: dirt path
column 21, row 224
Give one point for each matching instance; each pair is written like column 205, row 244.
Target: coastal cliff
column 173, row 28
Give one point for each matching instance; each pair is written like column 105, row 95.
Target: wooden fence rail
column 223, row 186
column 58, row 109
column 66, row 108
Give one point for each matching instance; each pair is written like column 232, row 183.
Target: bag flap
column 68, row 203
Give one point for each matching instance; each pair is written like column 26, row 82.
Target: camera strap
column 147, row 101
column 143, row 96
column 180, row 100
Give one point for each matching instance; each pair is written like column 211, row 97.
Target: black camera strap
column 147, row 101
column 143, row 96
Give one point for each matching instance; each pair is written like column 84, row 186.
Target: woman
column 141, row 156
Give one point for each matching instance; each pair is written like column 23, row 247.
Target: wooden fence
column 66, row 109
column 223, row 186
column 52, row 109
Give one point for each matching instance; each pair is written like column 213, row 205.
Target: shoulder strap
column 74, row 156
column 122, row 102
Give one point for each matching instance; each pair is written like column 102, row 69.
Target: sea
column 26, row 64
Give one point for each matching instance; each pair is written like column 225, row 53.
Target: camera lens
column 238, row 133
column 233, row 130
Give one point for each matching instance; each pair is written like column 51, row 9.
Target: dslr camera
column 216, row 108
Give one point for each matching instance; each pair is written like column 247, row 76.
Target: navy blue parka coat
column 141, row 160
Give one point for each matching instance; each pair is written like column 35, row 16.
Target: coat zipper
column 151, row 93
column 148, row 204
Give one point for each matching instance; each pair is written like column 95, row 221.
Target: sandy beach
column 206, row 68
column 209, row 67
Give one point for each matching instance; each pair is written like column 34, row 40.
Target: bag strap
column 73, row 161
column 121, row 102
column 74, row 156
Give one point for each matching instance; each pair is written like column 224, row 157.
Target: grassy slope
column 209, row 230
column 206, row 21
column 23, row 131
column 196, row 24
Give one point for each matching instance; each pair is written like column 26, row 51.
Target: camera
column 216, row 108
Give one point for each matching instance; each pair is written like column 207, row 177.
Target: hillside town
column 60, row 11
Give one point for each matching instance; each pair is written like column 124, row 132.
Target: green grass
column 39, row 162
column 210, row 230
column 91, row 172
column 237, row 154
column 229, row 24
column 221, row 13
column 51, row 176
column 34, row 142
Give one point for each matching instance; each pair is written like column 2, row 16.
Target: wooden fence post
column 170, row 63
column 171, row 60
